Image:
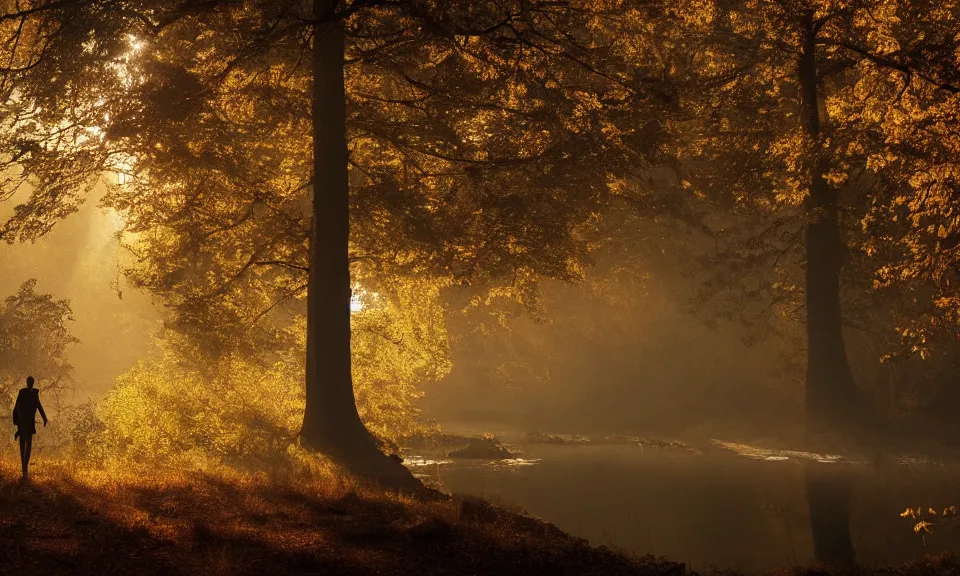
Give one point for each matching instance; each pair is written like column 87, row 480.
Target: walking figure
column 24, row 418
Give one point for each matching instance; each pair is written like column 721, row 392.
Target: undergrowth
column 72, row 518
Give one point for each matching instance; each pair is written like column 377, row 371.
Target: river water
column 734, row 507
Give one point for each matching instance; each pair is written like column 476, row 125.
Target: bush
column 246, row 411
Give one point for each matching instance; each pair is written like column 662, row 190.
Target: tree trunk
column 830, row 391
column 331, row 423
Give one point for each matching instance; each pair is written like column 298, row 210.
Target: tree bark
column 830, row 391
column 331, row 423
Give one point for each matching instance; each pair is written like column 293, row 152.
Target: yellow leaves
column 923, row 526
column 882, row 42
column 919, row 179
column 240, row 407
column 692, row 13
column 575, row 268
column 947, row 303
column 836, row 177
column 701, row 12
column 855, row 148
column 397, row 345
column 516, row 94
column 880, row 160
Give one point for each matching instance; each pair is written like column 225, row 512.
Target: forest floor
column 86, row 522
column 82, row 522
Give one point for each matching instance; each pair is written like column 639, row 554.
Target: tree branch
column 907, row 69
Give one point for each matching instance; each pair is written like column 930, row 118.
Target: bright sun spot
column 135, row 43
column 114, row 221
column 361, row 299
column 124, row 168
column 356, row 304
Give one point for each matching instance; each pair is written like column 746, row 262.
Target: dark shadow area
column 50, row 532
column 212, row 526
column 828, row 497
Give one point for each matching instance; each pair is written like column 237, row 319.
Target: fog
column 609, row 354
column 641, row 365
column 80, row 260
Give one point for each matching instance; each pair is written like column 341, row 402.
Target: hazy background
column 642, row 365
column 620, row 352
column 80, row 261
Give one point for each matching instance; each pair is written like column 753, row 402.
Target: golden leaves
column 923, row 526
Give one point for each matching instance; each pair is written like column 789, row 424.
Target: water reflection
column 515, row 462
column 732, row 506
column 771, row 454
column 828, row 499
column 420, row 461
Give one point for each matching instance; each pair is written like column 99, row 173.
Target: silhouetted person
column 24, row 417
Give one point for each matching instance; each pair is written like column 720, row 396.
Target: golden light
column 136, row 45
column 356, row 302
column 123, row 166
column 361, row 299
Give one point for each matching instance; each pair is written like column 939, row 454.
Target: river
column 735, row 507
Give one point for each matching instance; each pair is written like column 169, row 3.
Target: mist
column 81, row 260
column 643, row 364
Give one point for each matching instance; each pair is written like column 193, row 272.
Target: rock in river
column 483, row 449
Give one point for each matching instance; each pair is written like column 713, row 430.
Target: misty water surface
column 714, row 509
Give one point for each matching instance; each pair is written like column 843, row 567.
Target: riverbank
column 91, row 523
column 218, row 523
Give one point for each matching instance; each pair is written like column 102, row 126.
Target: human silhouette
column 24, row 418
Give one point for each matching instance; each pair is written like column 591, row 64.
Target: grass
column 94, row 522
column 69, row 520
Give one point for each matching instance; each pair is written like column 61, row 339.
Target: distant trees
column 34, row 338
column 831, row 123
column 780, row 88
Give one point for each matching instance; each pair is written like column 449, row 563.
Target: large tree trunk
column 331, row 423
column 830, row 391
